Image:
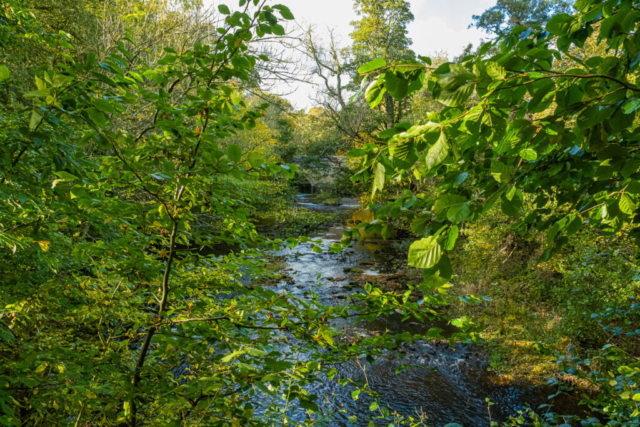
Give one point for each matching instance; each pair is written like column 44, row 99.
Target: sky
column 440, row 25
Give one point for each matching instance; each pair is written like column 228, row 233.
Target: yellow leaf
column 44, row 245
column 108, row 220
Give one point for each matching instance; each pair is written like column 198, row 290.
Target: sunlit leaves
column 401, row 149
column 425, row 253
column 372, row 66
column 375, row 93
column 495, row 71
column 437, row 153
column 452, row 238
column 4, row 73
column 628, row 204
column 528, row 154
column 500, row 172
column 456, row 96
column 379, row 178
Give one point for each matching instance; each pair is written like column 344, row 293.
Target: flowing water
column 448, row 385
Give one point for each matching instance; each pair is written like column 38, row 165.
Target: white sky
column 439, row 25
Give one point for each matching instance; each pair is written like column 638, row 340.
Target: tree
column 555, row 149
column 382, row 33
column 114, row 176
column 506, row 14
column 333, row 66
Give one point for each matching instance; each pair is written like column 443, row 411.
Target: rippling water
column 447, row 384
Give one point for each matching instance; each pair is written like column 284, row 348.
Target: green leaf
column 511, row 207
column 631, row 105
column 419, row 225
column 346, row 239
column 379, row 178
column 401, row 149
column 436, row 276
column 528, row 154
column 231, row 356
column 375, row 92
column 224, row 9
column 104, row 105
column 452, row 238
column 256, row 159
column 496, row 71
column 458, row 213
column 256, row 352
column 284, row 11
column 500, row 172
column 372, row 66
column 98, row 118
column 40, row 93
column 574, row 226
column 437, row 153
column 425, row 253
column 234, row 153
column 460, row 178
column 396, row 84
column 445, row 201
column 562, row 24
column 627, row 204
column 278, row 30
column 375, row 406
column 36, row 117
column 328, row 337
column 67, row 176
column 4, row 73
column 456, row 97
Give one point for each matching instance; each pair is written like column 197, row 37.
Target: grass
column 294, row 221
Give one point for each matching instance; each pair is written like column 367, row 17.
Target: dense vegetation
column 143, row 150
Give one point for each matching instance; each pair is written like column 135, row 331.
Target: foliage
column 563, row 141
column 119, row 176
column 507, row 14
column 382, row 33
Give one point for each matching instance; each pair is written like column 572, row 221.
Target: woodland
column 436, row 241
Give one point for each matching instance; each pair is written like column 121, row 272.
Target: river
column 449, row 385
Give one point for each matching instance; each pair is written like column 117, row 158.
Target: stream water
column 448, row 385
